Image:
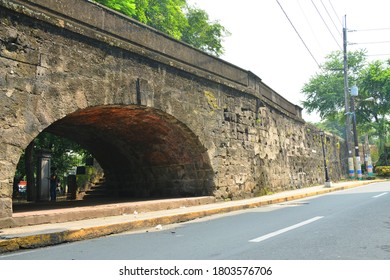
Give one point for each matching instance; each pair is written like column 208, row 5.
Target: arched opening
column 143, row 152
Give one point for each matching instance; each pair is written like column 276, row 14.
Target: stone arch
column 143, row 151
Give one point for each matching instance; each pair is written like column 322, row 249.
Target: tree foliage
column 126, row 7
column 177, row 19
column 166, row 15
column 325, row 94
column 325, row 91
column 374, row 83
column 334, row 125
column 65, row 154
column 203, row 34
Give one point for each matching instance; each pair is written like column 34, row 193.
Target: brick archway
column 143, row 151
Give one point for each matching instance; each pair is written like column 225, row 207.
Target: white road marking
column 380, row 195
column 14, row 254
column 275, row 233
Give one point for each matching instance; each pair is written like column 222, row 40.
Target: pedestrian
column 53, row 186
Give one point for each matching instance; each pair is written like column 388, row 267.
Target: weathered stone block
column 5, row 207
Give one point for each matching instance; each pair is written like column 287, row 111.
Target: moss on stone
column 211, row 100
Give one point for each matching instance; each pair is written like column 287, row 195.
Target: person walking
column 53, row 186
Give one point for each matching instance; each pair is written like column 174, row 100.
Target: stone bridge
column 160, row 117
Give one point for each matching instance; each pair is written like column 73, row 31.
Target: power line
column 331, row 19
column 379, row 54
column 337, row 16
column 296, row 31
column 370, row 43
column 326, row 24
column 372, row 29
column 310, row 25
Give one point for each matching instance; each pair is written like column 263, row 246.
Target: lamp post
column 358, row 167
column 327, row 180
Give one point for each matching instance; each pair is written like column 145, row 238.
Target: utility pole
column 351, row 170
column 358, row 167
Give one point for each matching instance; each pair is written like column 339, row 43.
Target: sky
column 286, row 55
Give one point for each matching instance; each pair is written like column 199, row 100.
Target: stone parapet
column 100, row 23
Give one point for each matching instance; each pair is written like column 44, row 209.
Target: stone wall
column 156, row 126
column 261, row 150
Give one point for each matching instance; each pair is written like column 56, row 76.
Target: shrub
column 382, row 170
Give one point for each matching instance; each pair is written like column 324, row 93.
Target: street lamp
column 327, row 180
column 354, row 93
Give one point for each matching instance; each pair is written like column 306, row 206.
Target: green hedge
column 382, row 170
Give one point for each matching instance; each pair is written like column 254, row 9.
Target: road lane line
column 380, row 195
column 275, row 233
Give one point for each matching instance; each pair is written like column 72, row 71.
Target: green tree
column 126, row 7
column 177, row 19
column 203, row 34
column 325, row 94
column 334, row 124
column 164, row 15
column 374, row 84
column 65, row 154
column 325, row 91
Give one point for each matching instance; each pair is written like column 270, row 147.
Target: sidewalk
column 45, row 227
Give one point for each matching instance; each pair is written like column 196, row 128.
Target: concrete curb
column 117, row 209
column 64, row 236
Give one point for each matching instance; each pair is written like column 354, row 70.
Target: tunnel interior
column 143, row 152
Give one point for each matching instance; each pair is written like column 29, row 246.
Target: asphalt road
column 345, row 225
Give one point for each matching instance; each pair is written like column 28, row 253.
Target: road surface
column 346, row 225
